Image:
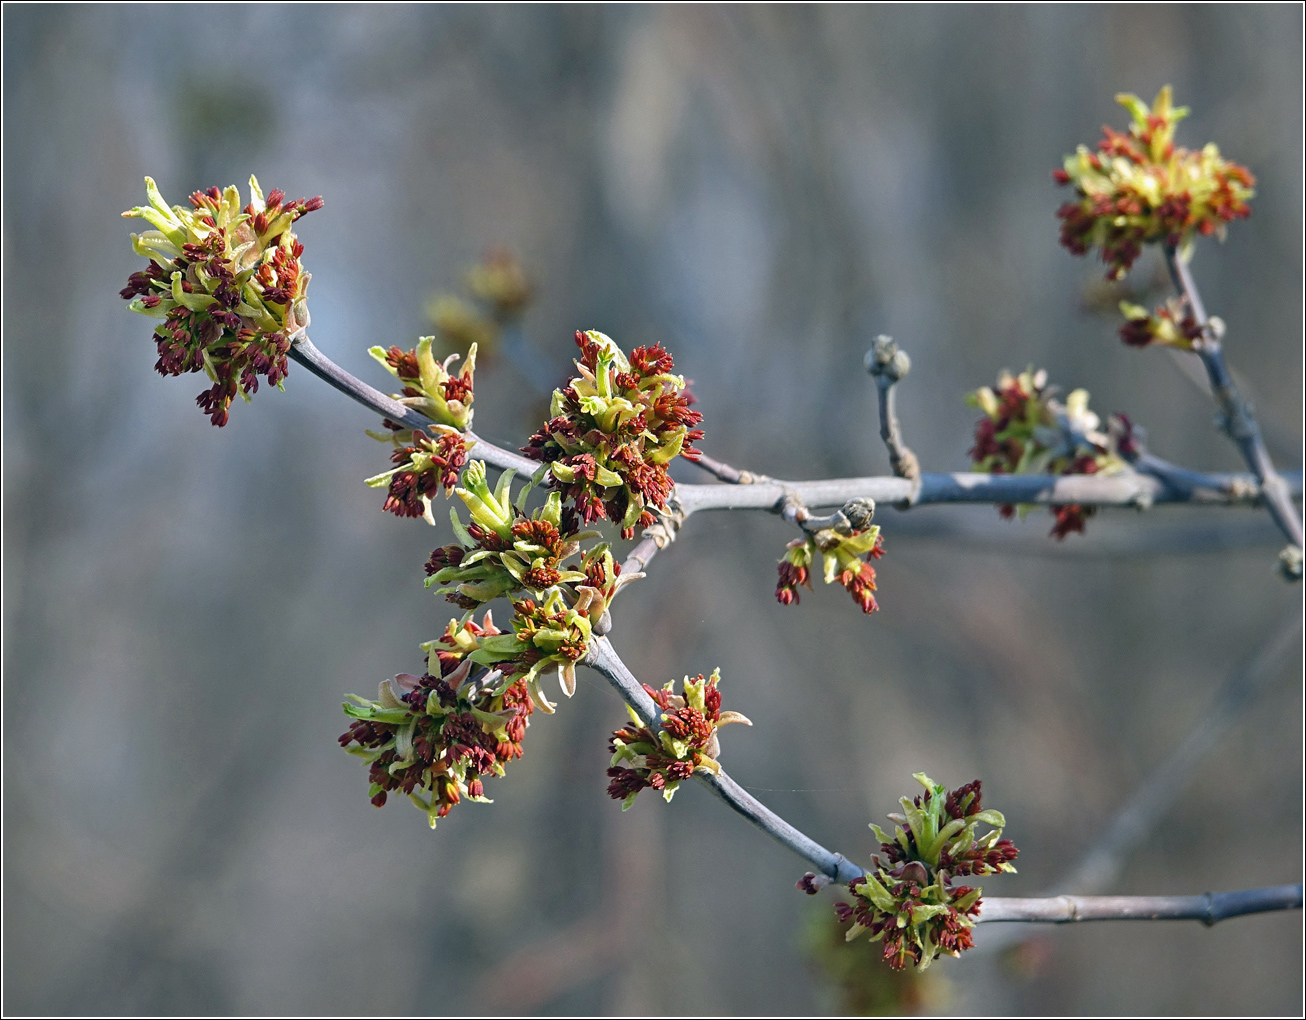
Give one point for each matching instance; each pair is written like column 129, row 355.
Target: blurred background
column 762, row 189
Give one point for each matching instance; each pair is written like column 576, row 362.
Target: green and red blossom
column 1139, row 188
column 1171, row 325
column 908, row 901
column 227, row 283
column 613, row 430
column 1021, row 433
column 434, row 738
column 846, row 558
column 431, row 387
column 685, row 742
column 424, row 464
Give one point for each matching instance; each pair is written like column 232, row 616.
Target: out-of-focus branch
column 1147, row 806
column 888, row 366
column 1236, row 415
column 1207, row 908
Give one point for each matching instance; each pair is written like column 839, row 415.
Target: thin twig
column 1207, row 908
column 1237, row 419
column 303, row 351
column 888, row 366
column 604, row 658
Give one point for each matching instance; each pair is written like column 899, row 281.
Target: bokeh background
column 763, row 189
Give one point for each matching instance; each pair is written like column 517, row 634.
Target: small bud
column 1290, row 563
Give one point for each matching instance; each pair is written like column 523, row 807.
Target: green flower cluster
column 908, row 901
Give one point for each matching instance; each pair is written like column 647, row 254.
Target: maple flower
column 430, row 387
column 908, row 900
column 846, row 557
column 685, row 742
column 613, row 430
column 1024, row 431
column 1139, row 188
column 423, row 465
column 227, row 283
column 435, row 738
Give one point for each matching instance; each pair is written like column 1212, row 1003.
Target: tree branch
column 940, row 488
column 1123, row 489
column 759, row 492
column 1237, row 419
column 1207, row 908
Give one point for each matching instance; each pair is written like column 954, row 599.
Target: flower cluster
column 908, row 901
column 226, row 282
column 685, row 742
column 1139, row 188
column 434, row 737
column 1171, row 325
column 430, row 387
column 613, row 430
column 424, row 464
column 1025, row 431
column 500, row 293
column 847, row 558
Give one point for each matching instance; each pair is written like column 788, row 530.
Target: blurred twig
column 1237, row 419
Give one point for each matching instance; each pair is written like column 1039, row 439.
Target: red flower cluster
column 686, row 741
column 1172, row 324
column 613, row 430
column 423, row 466
column 439, row 734
column 1139, row 188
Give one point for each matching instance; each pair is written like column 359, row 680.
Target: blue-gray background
column 763, row 189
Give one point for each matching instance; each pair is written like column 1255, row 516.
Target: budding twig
column 1236, row 416
column 889, row 365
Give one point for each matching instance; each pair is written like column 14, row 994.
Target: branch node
column 663, row 532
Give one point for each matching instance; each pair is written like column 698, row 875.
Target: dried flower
column 613, row 430
column 228, row 285
column 913, row 907
column 441, row 733
column 1139, row 188
column 685, row 742
column 1025, row 431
